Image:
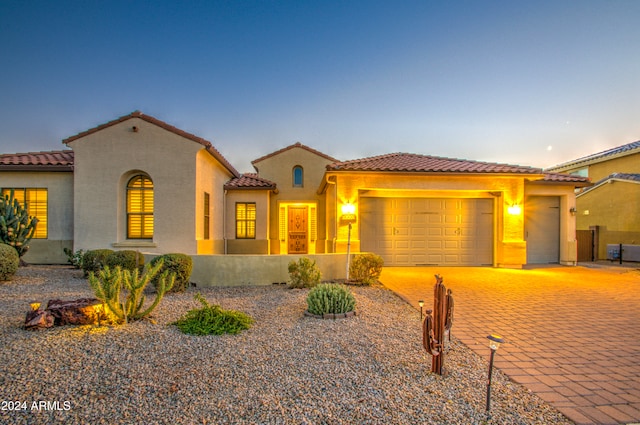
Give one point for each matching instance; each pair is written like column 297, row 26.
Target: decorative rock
column 83, row 311
column 38, row 319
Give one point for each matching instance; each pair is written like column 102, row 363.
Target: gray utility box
column 629, row 252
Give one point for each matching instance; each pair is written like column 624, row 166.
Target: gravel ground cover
column 287, row 369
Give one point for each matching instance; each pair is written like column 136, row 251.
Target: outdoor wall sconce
column 573, row 210
column 514, row 209
column 134, row 129
column 494, row 344
column 421, row 304
column 348, row 213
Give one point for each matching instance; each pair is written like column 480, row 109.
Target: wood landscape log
column 83, row 311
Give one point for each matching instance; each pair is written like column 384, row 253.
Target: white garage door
column 542, row 229
column 424, row 231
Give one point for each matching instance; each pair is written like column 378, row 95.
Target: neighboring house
column 608, row 212
column 140, row 183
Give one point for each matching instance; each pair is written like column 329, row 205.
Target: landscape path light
column 494, row 344
column 421, row 304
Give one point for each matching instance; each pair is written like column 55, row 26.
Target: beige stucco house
column 139, row 183
column 607, row 212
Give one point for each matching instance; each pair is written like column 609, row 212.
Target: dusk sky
column 522, row 82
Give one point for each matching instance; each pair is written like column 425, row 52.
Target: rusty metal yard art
column 437, row 324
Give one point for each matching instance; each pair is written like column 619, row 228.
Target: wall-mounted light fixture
column 348, row 212
column 573, row 210
column 514, row 209
column 134, row 129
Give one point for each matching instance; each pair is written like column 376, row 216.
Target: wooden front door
column 298, row 239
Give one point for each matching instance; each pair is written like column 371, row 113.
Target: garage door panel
column 451, row 244
column 428, row 230
column 418, row 258
column 435, row 231
column 452, row 204
column 434, row 245
column 418, row 231
column 467, row 244
column 418, row 244
column 451, row 231
column 451, row 219
column 435, row 219
column 386, row 231
column 451, row 259
column 402, row 244
column 402, row 219
column 401, row 259
column 418, row 219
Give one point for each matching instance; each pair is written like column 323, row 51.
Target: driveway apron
column 572, row 333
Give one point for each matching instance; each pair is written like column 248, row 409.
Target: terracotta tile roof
column 295, row 145
column 566, row 178
column 628, row 149
column 51, row 160
column 249, row 181
column 408, row 162
column 137, row 114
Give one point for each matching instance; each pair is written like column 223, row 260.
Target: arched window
column 298, row 176
column 140, row 208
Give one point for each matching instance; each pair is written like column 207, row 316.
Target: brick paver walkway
column 573, row 333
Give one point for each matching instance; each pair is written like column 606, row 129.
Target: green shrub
column 304, row 273
column 94, row 260
column 9, row 261
column 123, row 291
column 366, row 268
column 213, row 320
column 126, row 259
column 330, row 298
column 74, row 258
column 181, row 265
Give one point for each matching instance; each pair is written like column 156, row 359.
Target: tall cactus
column 16, row 226
column 112, row 284
column 435, row 325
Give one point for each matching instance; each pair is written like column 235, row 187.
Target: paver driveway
column 573, row 333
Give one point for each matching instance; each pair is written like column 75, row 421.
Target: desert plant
column 181, row 265
column 304, row 273
column 9, row 261
column 16, row 226
column 94, row 260
column 74, row 258
column 366, row 268
column 330, row 298
column 213, row 320
column 126, row 259
column 123, row 291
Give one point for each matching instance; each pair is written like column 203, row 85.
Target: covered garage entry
column 428, row 231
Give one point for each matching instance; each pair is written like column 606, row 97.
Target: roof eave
column 605, row 183
column 528, row 175
column 32, row 167
column 189, row 136
column 585, row 161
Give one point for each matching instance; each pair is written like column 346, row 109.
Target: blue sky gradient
column 530, row 83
